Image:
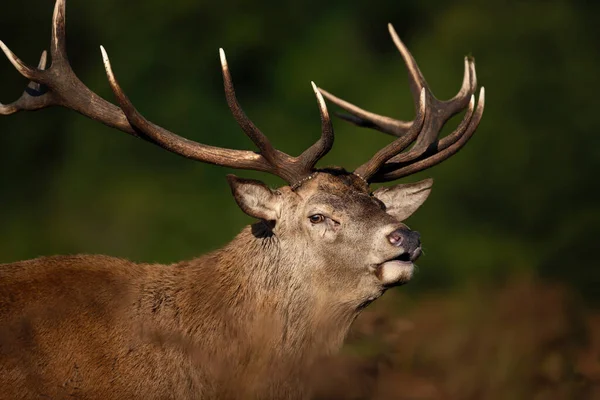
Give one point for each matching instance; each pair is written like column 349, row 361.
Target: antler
column 392, row 163
column 59, row 86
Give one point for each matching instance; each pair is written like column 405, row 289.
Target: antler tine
column 24, row 69
column 442, row 111
column 415, row 153
column 302, row 164
column 370, row 168
column 277, row 163
column 33, row 96
column 416, row 80
column 58, row 45
column 452, row 138
column 41, row 67
column 318, row 150
column 469, row 83
column 447, row 147
column 367, row 119
column 259, row 139
column 179, row 145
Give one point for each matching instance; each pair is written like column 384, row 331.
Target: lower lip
column 395, row 272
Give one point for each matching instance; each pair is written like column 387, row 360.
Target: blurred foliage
column 481, row 343
column 522, row 196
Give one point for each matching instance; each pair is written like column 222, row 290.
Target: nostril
column 395, row 238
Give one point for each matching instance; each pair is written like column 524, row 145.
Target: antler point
column 104, row 54
column 109, row 72
column 223, row 58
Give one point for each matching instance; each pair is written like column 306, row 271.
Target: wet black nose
column 409, row 240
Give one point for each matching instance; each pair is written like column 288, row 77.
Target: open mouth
column 396, row 271
column 402, row 257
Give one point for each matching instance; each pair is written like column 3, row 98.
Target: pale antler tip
column 108, row 68
column 394, row 34
column 402, row 48
column 104, row 55
column 223, row 58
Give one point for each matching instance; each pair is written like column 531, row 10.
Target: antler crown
column 58, row 85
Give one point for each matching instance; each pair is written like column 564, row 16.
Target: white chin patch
column 395, row 272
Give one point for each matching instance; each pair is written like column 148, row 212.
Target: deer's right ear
column 255, row 198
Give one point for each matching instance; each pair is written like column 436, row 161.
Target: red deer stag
column 248, row 320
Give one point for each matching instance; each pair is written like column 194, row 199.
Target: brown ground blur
column 523, row 340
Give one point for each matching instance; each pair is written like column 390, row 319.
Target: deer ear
column 404, row 199
column 255, row 198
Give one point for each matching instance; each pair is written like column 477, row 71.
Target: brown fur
column 246, row 321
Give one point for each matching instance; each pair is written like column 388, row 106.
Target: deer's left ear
column 255, row 198
column 404, row 199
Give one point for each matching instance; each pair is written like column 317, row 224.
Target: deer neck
column 263, row 289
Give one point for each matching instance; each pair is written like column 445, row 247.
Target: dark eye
column 316, row 219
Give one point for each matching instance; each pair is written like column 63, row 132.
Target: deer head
column 328, row 215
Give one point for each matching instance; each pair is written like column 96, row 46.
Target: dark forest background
column 510, row 230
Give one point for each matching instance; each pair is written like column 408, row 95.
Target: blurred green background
column 522, row 194
column 521, row 199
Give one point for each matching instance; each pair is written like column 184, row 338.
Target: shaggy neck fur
column 253, row 312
